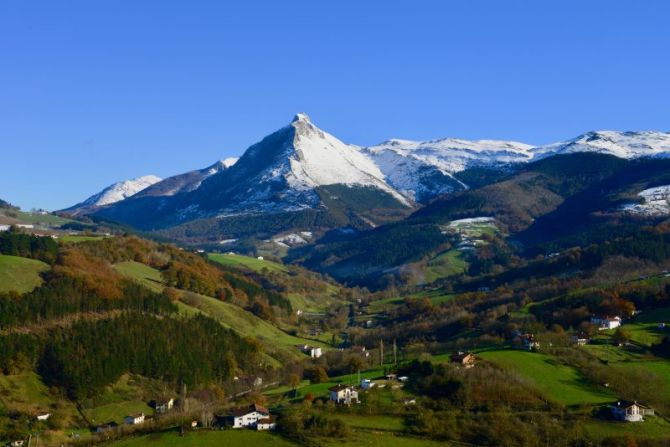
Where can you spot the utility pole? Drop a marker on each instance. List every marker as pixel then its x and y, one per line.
pixel 381 352
pixel 395 353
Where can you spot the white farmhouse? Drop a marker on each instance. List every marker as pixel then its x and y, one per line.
pixel 606 322
pixel 249 416
pixel 342 394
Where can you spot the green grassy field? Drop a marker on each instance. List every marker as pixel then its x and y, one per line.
pixel 652 427
pixel 247 324
pixel 383 439
pixel 321 389
pixel 117 411
pixel 20 274
pixel 73 239
pixel 247 262
pixel 446 264
pixel 227 438
pixel 560 383
pixel 144 274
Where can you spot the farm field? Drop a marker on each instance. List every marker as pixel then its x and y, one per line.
pixel 378 438
pixel 560 383
pixel 247 262
pixel 246 323
pixel 228 438
pixel 20 274
pixel 446 264
pixel 73 239
pixel 652 427
pixel 142 273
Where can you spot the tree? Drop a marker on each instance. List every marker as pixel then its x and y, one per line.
pixel 294 381
pixel 621 336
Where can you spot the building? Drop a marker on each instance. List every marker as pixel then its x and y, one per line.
pixel 409 401
pixel 366 384
pixel 606 322
pixel 312 351
pixel 134 419
pixel 104 428
pixel 43 416
pixel 163 406
pixel 526 341
pixel 267 423
pixel 360 350
pixel 580 339
pixel 248 416
pixel 343 394
pixel 464 359
pixel 630 411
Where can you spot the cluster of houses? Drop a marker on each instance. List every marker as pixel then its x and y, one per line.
pixel 161 406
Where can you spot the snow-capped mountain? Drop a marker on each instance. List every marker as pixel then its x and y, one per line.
pixel 626 145
pixel 114 193
pixel 301 168
pixel 188 181
pixel 293 169
pixel 424 169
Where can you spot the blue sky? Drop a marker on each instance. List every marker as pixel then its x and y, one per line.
pixel 92 92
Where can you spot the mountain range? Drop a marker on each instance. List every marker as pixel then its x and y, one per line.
pixel 301 177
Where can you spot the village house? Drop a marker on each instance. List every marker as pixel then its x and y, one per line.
pixel 134 419
pixel 19 442
pixel 366 384
pixel 409 401
pixel 163 406
pixel 391 376
pixel 606 322
pixel 248 416
pixel 342 394
pixel 464 359
pixel 580 339
pixel 109 426
pixel 312 351
pixel 526 341
pixel 43 416
pixel 630 411
pixel 360 350
pixel 267 423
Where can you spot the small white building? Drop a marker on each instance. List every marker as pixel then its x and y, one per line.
pixel 134 419
pixel 163 406
pixel 606 322
pixel 312 351
pixel 342 394
pixel 43 416
pixel 630 411
pixel 249 416
pixel 267 423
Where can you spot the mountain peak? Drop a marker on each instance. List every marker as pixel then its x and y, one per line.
pixel 301 117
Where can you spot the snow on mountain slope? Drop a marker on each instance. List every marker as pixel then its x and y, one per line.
pixel 120 191
pixel 419 168
pixel 620 144
pixel 186 182
pixel 656 202
pixel 319 159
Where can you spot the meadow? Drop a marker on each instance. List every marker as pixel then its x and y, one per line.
pixel 20 274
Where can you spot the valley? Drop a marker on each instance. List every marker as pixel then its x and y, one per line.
pixel 527 306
